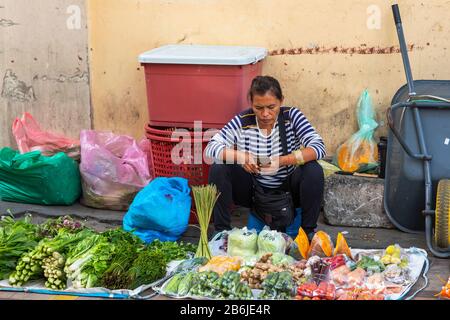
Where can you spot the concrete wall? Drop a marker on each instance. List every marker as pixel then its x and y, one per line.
pixel 323 52
pixel 44 65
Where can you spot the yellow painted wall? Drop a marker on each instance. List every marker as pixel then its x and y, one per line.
pixel 324 85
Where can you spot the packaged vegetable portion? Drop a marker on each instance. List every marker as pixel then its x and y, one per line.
pixel 271 241
pixel 242 242
pixel 221 264
pixel 307 289
pixel 356 277
pixel 339 275
pixel 321 245
pixel 325 290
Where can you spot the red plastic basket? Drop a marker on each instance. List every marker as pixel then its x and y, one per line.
pixel 189 165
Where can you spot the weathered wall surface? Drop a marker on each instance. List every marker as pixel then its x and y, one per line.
pixel 44 65
pixel 324 52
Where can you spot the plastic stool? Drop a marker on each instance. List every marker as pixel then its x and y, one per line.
pixel 292 230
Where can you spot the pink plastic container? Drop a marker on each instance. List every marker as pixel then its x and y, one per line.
pixel 199 83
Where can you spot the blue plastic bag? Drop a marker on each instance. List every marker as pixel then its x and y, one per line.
pixel 160 211
pixel 291 230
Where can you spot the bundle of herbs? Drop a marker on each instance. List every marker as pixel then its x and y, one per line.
pixel 118 235
pixel 149 266
pixel 205 198
pixel 117 275
pixel 173 250
pixel 87 262
pixel 51 227
pixel 127 248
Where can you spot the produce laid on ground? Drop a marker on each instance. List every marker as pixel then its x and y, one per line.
pixel 63 253
pixel 270 265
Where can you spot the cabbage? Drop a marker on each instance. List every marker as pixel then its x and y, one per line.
pixel 271 241
pixel 279 258
pixel 242 243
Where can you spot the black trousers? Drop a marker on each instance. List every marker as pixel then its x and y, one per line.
pixel 235 186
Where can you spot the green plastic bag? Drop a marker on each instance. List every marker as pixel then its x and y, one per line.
pixel 360 152
pixel 34 178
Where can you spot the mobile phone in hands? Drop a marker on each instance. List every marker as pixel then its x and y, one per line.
pixel 263 161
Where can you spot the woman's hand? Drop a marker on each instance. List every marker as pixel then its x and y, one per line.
pixel 273 167
pixel 248 162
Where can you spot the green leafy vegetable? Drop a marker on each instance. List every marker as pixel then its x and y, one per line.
pixel 52 227
pixel 30 265
pixel 88 261
pixel 149 266
pixel 369 264
pixel 119 235
pixel 16 238
pixel 172 250
pixel 117 275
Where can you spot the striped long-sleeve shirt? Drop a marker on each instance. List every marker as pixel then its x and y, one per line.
pixel 243 132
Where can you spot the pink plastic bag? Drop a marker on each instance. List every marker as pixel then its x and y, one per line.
pixel 30 137
pixel 113 169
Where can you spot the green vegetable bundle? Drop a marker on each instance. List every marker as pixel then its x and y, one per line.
pixel 117 275
pixel 148 267
pixel 205 198
pixel 277 286
pixel 370 265
pixel 52 227
pixel 31 264
pixel 172 250
pixel 202 284
pixel 16 238
pixel 88 261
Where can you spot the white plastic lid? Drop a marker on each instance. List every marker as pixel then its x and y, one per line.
pixel 203 54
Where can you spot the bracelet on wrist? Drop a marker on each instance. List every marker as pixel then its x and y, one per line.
pixel 299 157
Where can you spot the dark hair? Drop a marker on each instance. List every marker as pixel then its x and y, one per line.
pixel 263 84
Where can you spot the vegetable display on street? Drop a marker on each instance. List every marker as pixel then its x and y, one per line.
pixel 62 253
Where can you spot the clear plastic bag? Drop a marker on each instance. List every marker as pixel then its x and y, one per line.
pixel 271 241
pixel 321 245
pixel 360 152
pixel 242 242
pixel 221 264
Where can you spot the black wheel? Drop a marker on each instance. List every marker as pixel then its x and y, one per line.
pixel 442 221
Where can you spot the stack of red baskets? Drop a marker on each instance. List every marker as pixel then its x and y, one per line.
pixel 163 140
pixel 176 153
pixel 188 83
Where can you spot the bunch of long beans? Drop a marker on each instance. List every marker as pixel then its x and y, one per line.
pixel 205 198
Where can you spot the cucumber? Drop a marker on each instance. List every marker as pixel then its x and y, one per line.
pixel 172 285
pixel 185 284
